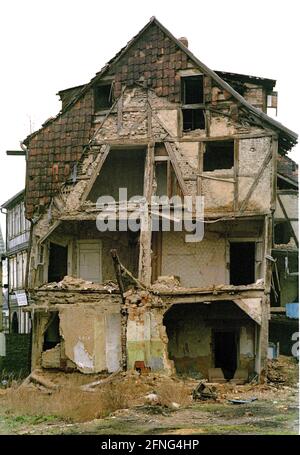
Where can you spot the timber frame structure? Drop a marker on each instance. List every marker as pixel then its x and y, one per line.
pixel 157 121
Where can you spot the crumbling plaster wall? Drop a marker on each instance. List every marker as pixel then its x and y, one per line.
pixel 90 327
pixel 197 264
pixel 190 330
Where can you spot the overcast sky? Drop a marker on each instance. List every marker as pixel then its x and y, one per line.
pixel 47 46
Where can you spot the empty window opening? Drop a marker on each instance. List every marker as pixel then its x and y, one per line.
pixel 52 335
pixel 242 263
pixel 282 233
pixel 192 90
pixel 225 352
pixel 15 323
pixel 103 97
pixel 121 169
pixel 58 262
pixel 161 176
pixel 218 155
pixel 193 119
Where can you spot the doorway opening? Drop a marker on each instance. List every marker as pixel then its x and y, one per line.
pixel 225 352
pixel 58 262
pixel 242 263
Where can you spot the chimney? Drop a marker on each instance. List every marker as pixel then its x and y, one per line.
pixel 184 41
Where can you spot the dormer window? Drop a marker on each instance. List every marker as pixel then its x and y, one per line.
pixel 192 97
pixel 103 97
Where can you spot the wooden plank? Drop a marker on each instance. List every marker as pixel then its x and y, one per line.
pixel 176 168
pixel 255 182
pixel 210 177
pixel 288 220
pixel 149 171
pixel 201 150
pixel 236 175
pixel 274 146
pixel 95 173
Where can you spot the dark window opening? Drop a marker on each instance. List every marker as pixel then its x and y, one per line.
pixel 121 169
pixel 58 262
pixel 218 155
pixel 282 234
pixel 103 97
pixel 225 350
pixel 52 336
pixel 242 263
pixel 283 184
pixel 192 90
pixel 161 175
pixel 15 323
pixel 193 119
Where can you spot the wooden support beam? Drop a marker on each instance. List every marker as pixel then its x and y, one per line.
pixel 176 168
pixel 255 182
pixel 118 272
pixel 288 220
pixel 96 172
pixel 236 175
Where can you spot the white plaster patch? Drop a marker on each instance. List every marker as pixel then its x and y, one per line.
pixel 82 357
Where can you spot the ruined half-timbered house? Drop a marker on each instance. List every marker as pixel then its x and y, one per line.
pixel 158 122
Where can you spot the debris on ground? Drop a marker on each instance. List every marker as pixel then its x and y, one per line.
pixel 250 400
pixel 282 370
pixel 204 391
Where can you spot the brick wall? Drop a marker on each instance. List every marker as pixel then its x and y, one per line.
pixel 18 353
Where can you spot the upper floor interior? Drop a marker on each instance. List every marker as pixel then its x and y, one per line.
pixel 156 91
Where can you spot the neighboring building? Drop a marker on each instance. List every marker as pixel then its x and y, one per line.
pixel 17 238
pixel 284 324
pixel 2 251
pixel 157 121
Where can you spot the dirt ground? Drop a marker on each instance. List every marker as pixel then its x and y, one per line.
pixel 124 405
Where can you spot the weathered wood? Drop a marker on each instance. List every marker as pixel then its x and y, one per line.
pixel 176 168
pixel 149 172
pixel 288 220
pixel 118 271
pixel 90 387
pixel 274 146
pixel 201 150
pixel 268 237
pixel 236 175
pixel 255 182
pixel 210 177
pixel 95 173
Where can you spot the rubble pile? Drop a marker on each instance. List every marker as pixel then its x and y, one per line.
pixel 282 370
pixel 71 283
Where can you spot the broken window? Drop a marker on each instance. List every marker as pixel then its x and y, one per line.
pixel 193 119
pixel 282 233
pixel 102 97
pixel 121 169
pixel 192 103
pixel 52 335
pixel 218 155
pixel 58 262
pixel 242 263
pixel 192 90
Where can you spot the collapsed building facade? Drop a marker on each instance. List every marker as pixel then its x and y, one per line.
pixel 158 122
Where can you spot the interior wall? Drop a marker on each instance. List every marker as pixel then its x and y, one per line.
pixel 197 264
pixel 121 169
pixel 126 244
pixel 190 329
